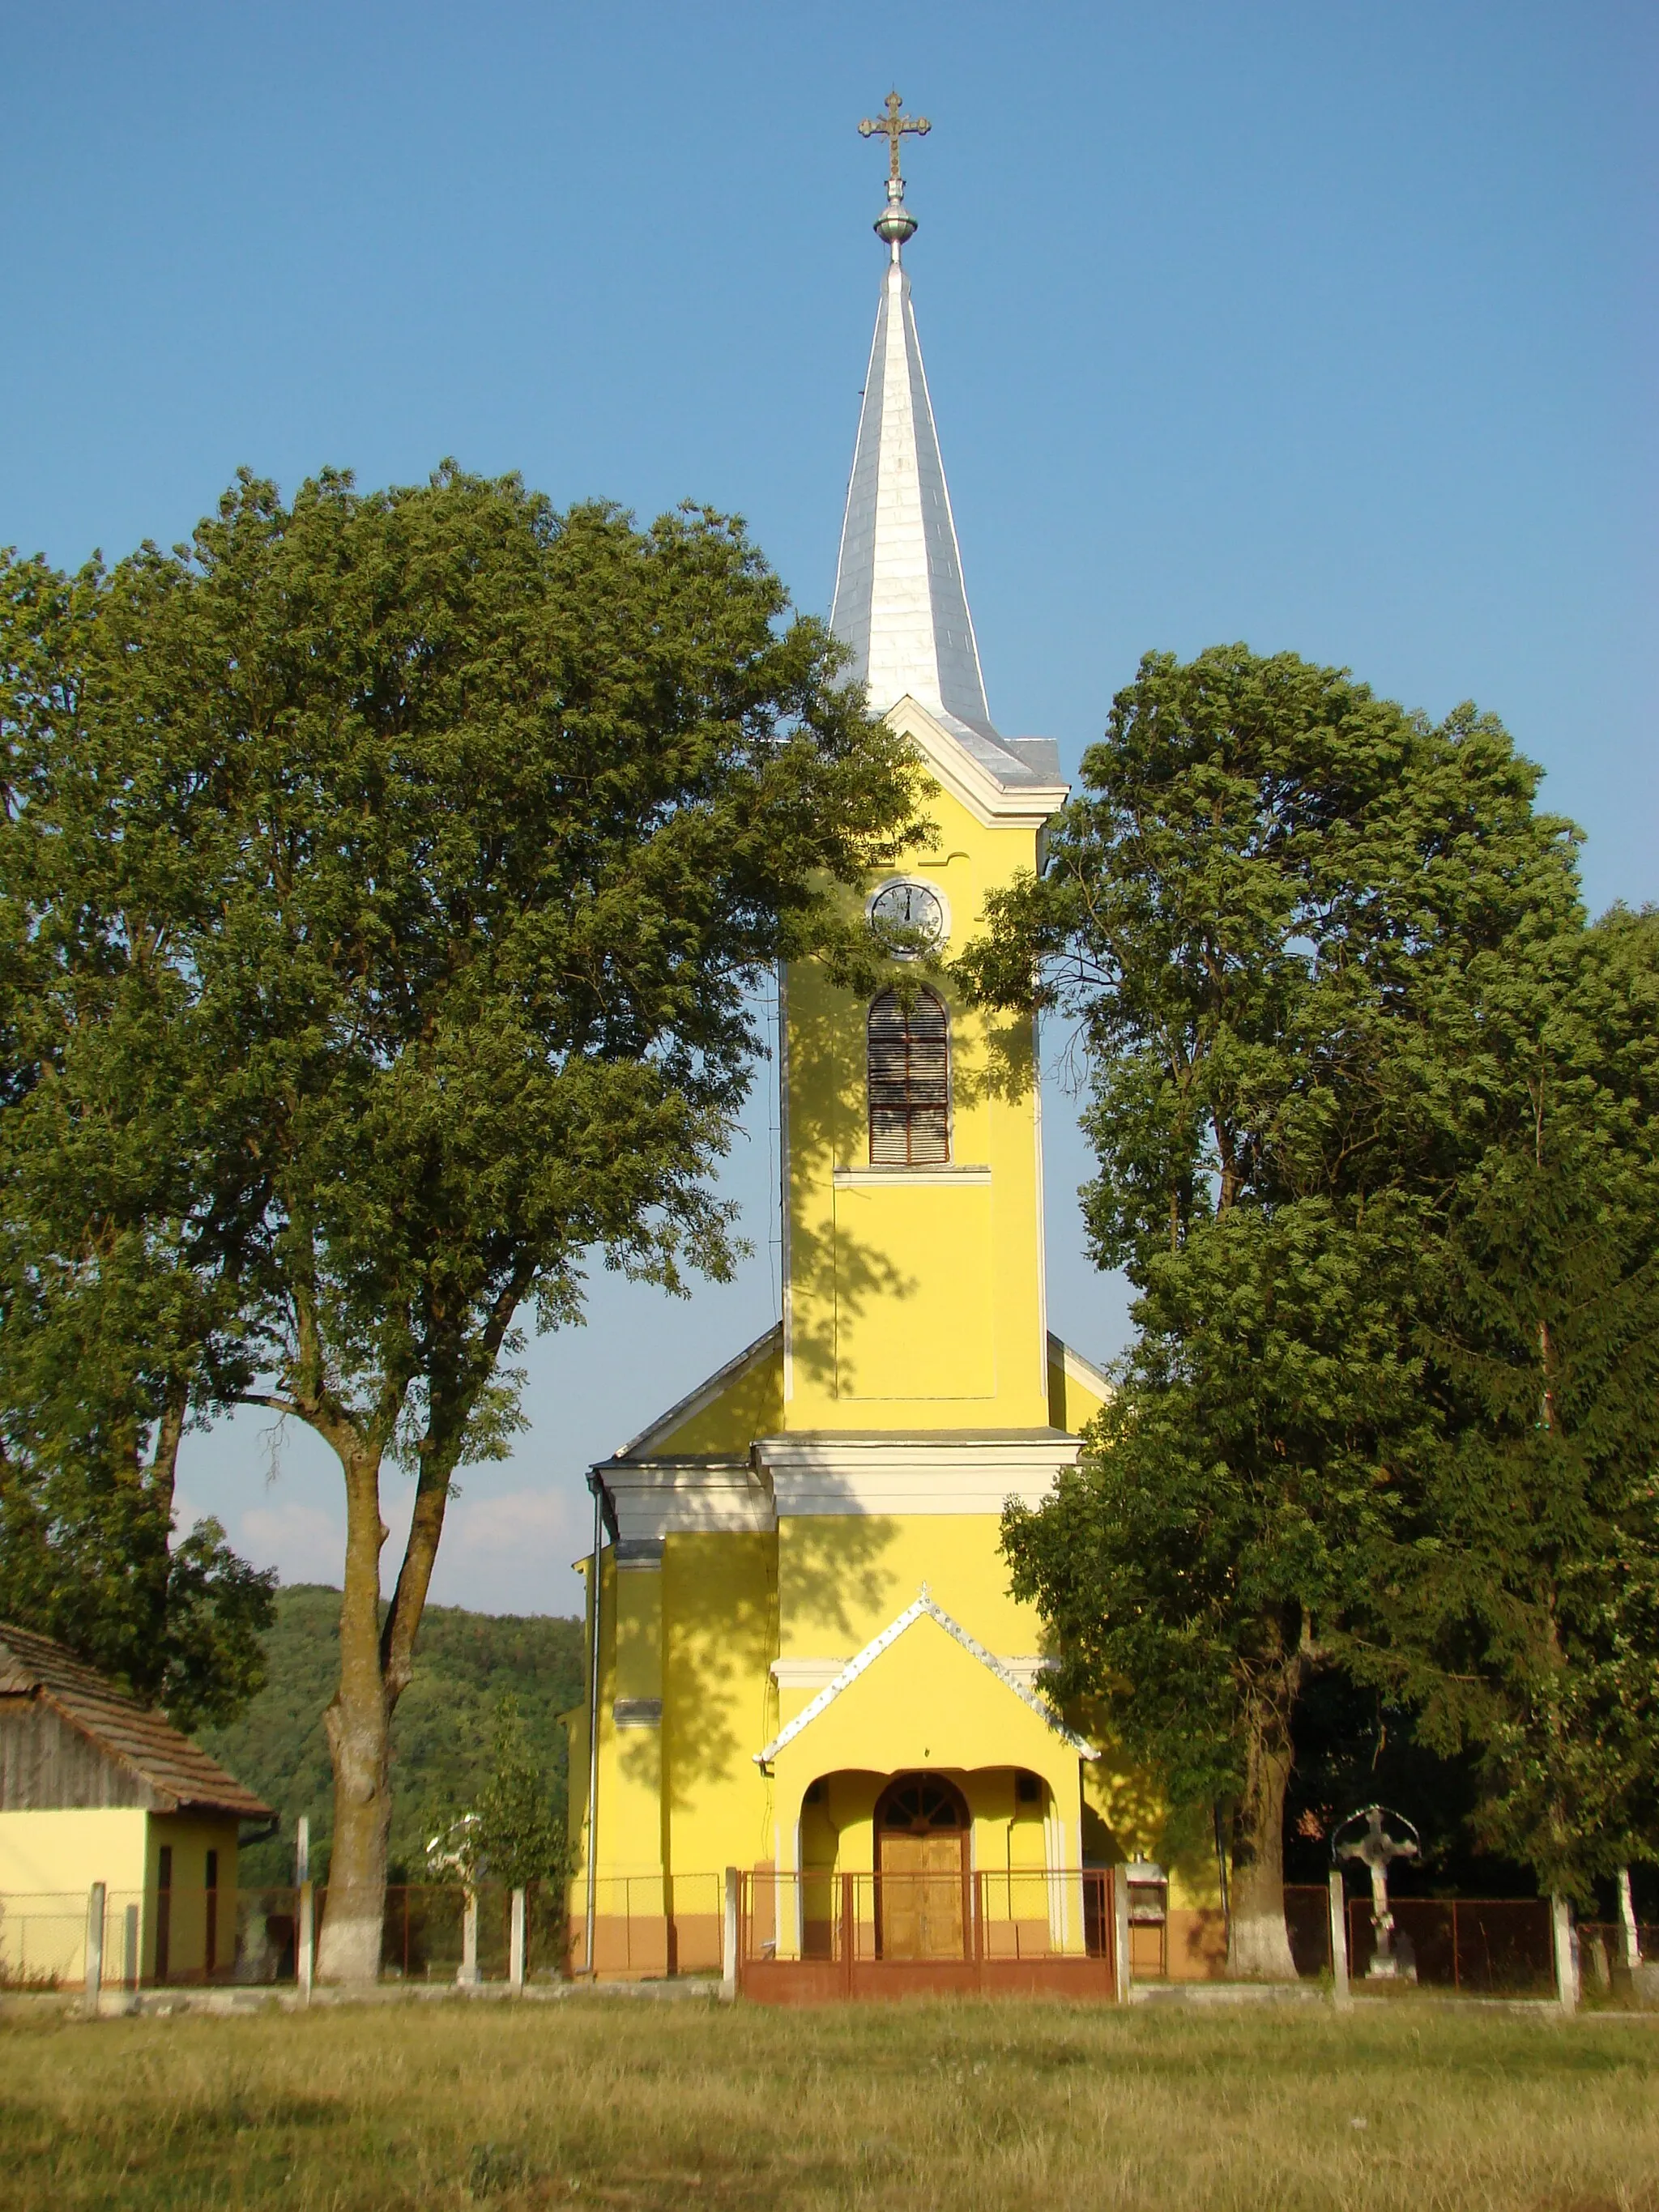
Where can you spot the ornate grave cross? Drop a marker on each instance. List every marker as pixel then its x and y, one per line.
pixel 895 127
pixel 1376 1849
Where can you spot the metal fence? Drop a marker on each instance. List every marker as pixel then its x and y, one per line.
pixel 806 1937
pixel 798 1935
pixel 1485 1946
pixel 1491 1947
pixel 250 1938
pixel 649 1925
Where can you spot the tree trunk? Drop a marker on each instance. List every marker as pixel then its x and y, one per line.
pixel 359 1725
pixel 1258 1947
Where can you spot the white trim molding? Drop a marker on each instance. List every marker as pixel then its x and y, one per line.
pixel 805 1673
pixel 654 1498
pixel 818 1674
pixel 827 1473
pixel 752 1356
pixel 888 1176
pixel 968 780
pixel 1078 1368
pixel 923 1603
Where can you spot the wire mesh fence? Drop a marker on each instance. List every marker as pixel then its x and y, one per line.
pixel 1490 1947
pixel 647 1926
pixel 250 1937
pixel 1486 1946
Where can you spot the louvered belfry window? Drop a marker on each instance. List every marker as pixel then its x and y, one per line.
pixel 910 1082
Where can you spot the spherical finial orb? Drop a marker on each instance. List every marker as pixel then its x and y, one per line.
pixel 896 224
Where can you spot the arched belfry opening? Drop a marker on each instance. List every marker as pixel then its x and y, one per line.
pixel 909 1049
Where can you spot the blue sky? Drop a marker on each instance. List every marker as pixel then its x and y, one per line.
pixel 1328 327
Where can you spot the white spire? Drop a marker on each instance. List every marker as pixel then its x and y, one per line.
pixel 899 598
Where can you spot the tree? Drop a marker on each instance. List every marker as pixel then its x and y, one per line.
pixel 90 1559
pixel 115 1291
pixel 1523 1601
pixel 1269 914
pixel 516 1838
pixel 450 835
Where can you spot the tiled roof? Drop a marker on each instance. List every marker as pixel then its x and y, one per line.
pixel 178 1770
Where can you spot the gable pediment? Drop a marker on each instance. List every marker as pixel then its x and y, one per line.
pixel 987 775
pixel 922 1607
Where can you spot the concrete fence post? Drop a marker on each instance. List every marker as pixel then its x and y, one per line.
pixel 729 1938
pixel 516 1945
pixel 305 1942
pixel 131 1963
pixel 1339 1916
pixel 1120 1933
pixel 95 1965
pixel 467 1974
pixel 1630 1935
pixel 1566 1957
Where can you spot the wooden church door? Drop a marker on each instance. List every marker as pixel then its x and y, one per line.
pixel 922 1857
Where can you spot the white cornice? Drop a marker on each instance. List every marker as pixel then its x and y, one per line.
pixel 806 1674
pixel 875 1177
pixel 826 1475
pixel 685 1497
pixel 992 804
pixel 818 1674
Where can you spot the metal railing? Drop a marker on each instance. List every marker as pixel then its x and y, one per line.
pixel 822 1934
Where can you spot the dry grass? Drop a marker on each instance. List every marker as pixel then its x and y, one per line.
pixel 977 2107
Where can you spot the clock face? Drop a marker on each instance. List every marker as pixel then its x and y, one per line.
pixel 910 916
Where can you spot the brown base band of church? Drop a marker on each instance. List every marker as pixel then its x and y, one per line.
pixel 801 1938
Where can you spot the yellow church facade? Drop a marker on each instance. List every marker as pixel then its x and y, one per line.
pixel 805 1663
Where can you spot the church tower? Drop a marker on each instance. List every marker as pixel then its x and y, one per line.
pixel 806 1662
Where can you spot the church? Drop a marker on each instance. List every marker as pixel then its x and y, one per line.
pixel 805 1660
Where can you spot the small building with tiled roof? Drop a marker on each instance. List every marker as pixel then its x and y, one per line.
pixel 96 1787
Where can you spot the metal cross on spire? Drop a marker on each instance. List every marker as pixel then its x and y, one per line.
pixel 894 127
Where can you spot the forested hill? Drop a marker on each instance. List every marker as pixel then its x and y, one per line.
pixel 463 1663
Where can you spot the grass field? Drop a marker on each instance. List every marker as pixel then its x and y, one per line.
pixel 976 2107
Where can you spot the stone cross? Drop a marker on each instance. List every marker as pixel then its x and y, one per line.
pixel 894 127
pixel 1376 1849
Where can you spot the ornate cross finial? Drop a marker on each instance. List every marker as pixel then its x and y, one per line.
pixel 894 127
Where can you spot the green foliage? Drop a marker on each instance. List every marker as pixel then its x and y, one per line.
pixel 1278 913
pixel 85 1557
pixel 509 1832
pixel 116 1297
pixel 443 1733
pixel 519 1840
pixel 1524 1613
pixel 1264 915
pixel 384 886
pixel 1220 1527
